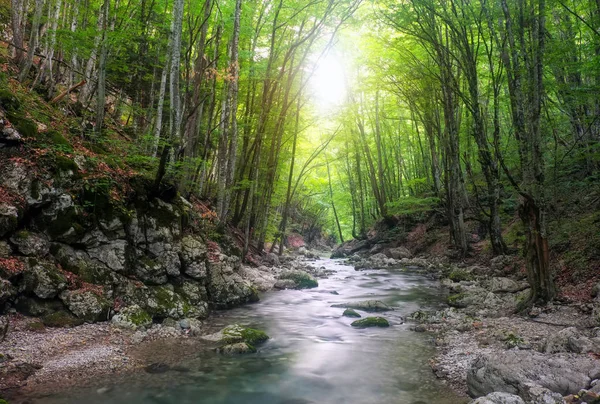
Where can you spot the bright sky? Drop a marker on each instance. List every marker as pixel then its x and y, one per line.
pixel 328 84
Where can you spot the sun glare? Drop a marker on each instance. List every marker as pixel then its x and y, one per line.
pixel 328 83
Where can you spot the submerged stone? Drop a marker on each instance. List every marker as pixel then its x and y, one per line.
pixel 371 322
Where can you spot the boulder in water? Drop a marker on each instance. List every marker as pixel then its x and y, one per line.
pixel 368 322
pixel 350 313
pixel 300 279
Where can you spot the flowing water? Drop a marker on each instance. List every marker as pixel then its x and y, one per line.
pixel 313 356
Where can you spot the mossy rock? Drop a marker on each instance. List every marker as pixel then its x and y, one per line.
pixel 456 300
pixel 237 334
pixel 351 313
pixel 301 279
pixel 3 401
pixel 65 164
pixel 459 275
pixel 252 336
pixel 370 322
pixel 61 319
pixel 26 127
pixel 132 317
pixel 9 101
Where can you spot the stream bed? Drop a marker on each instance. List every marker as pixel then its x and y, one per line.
pixel 313 356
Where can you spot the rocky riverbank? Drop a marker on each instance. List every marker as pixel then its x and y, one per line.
pixel 36 358
pixel 545 355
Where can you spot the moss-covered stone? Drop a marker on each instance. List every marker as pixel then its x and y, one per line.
pixel 65 164
pixel 26 127
pixel 350 313
pixel 132 317
pixel 61 319
pixel 371 322
pixel 301 279
pixel 456 300
pixel 9 101
pixel 459 275
pixel 253 337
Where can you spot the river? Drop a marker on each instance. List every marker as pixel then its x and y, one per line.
pixel 313 356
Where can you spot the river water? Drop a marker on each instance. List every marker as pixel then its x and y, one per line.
pixel 313 356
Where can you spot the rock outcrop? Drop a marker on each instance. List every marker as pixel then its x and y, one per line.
pixel 84 256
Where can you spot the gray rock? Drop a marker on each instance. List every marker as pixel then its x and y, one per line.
pixel 164 302
pixel 399 253
pixel 596 290
pixel 510 370
pixel 86 305
pixel 132 318
pixel 30 244
pixel 501 284
pixel 3 327
pixel 273 259
pixel 112 255
pixel 226 287
pixel 569 340
pixel 171 262
pixel 5 249
pixel 7 291
pixel 43 279
pixel 365 305
pixel 150 271
pixel 535 394
pixel 9 218
pixel 499 398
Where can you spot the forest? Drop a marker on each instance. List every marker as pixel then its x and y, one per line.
pixel 338 112
pixel 329 119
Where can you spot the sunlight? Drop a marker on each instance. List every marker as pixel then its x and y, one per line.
pixel 328 84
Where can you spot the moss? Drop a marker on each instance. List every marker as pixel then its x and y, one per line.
pixel 26 127
pixel 58 140
pixel 459 275
pixel 9 101
pixel 302 279
pixel 140 318
pixel 65 164
pixel 253 337
pixel 61 319
pixel 455 300
pixel 3 401
pixel 371 322
pixel 36 326
pixel 350 313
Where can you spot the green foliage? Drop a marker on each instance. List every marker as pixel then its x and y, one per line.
pixel 412 205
